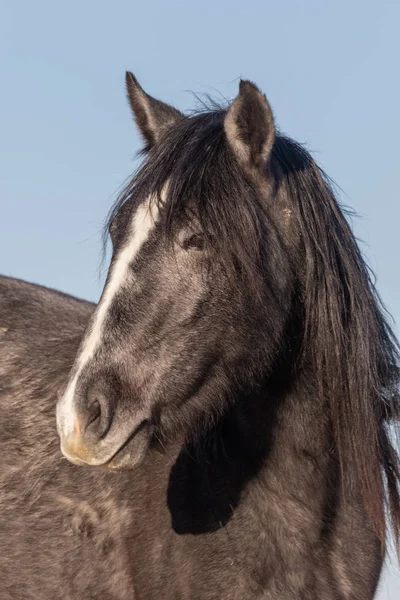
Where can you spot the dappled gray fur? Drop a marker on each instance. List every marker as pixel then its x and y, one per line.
pixel 79 532
pixel 233 387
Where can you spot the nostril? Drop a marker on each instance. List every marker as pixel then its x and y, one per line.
pixel 93 410
pixel 94 414
pixel 97 414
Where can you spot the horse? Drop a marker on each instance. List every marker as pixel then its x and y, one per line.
pixel 219 425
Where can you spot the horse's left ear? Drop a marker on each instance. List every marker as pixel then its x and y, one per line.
pixel 250 129
pixel 152 117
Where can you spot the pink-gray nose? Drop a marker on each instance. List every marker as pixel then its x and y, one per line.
pixel 92 418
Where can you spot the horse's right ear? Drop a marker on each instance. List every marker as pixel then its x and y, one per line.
pixel 152 117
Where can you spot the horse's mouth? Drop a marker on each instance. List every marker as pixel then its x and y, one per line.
pixel 132 451
pixel 127 455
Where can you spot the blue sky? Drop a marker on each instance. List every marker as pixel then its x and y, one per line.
pixel 329 69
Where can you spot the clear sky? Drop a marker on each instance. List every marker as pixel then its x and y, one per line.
pixel 67 142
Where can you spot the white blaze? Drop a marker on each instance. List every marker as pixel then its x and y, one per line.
pixel 140 228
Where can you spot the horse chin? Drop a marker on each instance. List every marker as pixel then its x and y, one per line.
pixel 132 453
pixel 127 455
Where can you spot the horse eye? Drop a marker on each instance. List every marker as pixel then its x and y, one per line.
pixel 194 242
